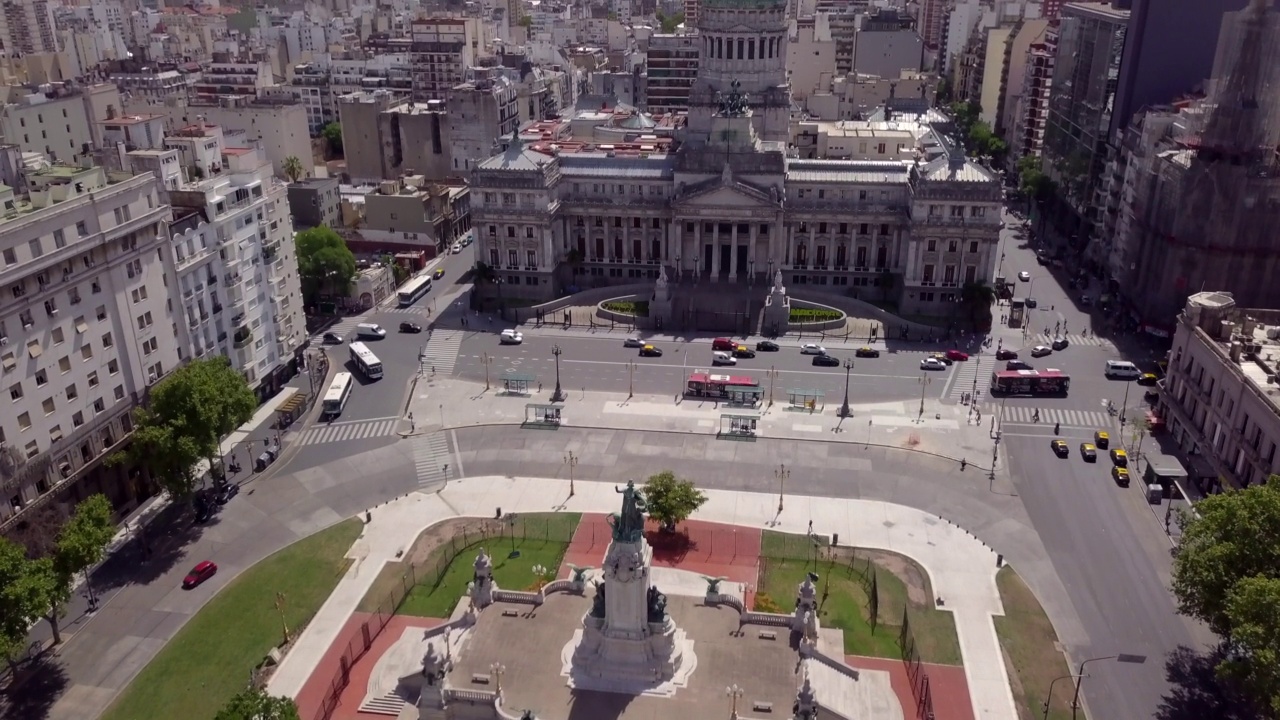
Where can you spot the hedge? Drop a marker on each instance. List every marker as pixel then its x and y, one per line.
pixel 804 315
pixel 628 307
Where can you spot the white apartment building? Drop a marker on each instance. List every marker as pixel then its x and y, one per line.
pixel 237 272
pixel 28 27
pixel 85 328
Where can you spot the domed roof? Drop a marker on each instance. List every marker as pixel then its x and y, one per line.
pixel 638 121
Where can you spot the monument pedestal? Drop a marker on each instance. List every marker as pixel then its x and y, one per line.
pixel 628 643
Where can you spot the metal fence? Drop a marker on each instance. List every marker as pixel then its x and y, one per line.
pixel 430 573
pixel 916 672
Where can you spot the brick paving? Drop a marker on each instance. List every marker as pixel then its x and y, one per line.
pixel 948 687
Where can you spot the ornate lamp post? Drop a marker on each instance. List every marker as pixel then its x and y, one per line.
pixel 558 395
pixel 782 473
pixel 924 385
pixel 733 692
pixel 572 461
pixel 486 359
pixel 844 409
pixel 497 669
pixel 1049 697
pixel 1122 657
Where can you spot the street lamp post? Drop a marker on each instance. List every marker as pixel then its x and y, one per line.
pixel 497 669
pixel 572 461
pixel 924 385
pixel 773 375
pixel 751 276
pixel 631 379
pixel 782 473
pixel 558 395
pixel 844 408
pixel 486 359
pixel 733 692
pixel 1049 698
pixel 1124 404
pixel 1122 657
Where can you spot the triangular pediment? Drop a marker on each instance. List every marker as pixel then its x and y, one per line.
pixel 733 194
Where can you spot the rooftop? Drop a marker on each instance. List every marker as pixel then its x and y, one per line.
pixel 1248 338
pixel 130 119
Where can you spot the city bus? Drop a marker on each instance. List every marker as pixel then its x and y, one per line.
pixel 412 291
pixel 365 361
pixel 734 388
pixel 1030 382
pixel 335 399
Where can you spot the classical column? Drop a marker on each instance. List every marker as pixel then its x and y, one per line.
pixel 751 251
pixel 733 252
pixel 697 247
pixel 715 251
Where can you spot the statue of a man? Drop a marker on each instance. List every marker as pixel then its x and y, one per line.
pixel 631 520
pixel 777 281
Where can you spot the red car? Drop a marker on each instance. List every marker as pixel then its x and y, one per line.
pixel 201 572
pixel 957 355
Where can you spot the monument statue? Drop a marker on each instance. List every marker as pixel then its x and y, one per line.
pixel 657 603
pixel 662 278
pixel 628 526
pixel 597 602
pixel 733 104
pixel 777 283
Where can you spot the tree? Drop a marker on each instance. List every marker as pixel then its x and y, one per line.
pixel 293 168
pixel 332 133
pixel 189 413
pixel 325 263
pixel 575 259
pixel 21 601
pixel 978 297
pixel 256 704
pixel 84 537
pixel 52 588
pixel 1226 573
pixel 669 23
pixel 671 500
pixel 485 274
pixel 37 529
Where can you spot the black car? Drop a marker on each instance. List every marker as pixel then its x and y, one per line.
pixel 650 351
pixel 1060 343
pixel 867 352
pixel 332 339
pixel 1006 355
pixel 1030 302
pixel 408 327
pixel 767 346
pixel 1018 365
pixel 826 361
pixel 742 351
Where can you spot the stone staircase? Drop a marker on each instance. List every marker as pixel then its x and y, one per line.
pixel 389 704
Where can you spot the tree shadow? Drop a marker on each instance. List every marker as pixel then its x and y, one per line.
pixel 1196 692
pixel 151 553
pixel 670 547
pixel 38 685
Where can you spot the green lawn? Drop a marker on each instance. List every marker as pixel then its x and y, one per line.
pixel 541 538
pixel 847 606
pixel 1030 651
pixel 209 660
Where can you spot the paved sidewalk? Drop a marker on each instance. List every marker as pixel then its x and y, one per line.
pixel 961 569
pixel 944 429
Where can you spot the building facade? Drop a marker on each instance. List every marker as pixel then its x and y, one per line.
pixel 85 329
pixel 671 66
pixel 729 205
pixel 315 202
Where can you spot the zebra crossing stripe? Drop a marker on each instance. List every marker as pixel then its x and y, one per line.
pixel 431 458
pixel 441 351
pixel 342 432
pixel 1022 415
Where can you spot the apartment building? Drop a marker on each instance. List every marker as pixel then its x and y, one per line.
pixel 315 202
pixel 481 111
pixel 237 271
pixel 85 329
pixel 412 214
pixel 886 44
pixel 1220 400
pixel 58 119
pixel 1027 135
pixel 28 27
pixel 440 52
pixel 671 66
pixel 233 78
pixel 153 81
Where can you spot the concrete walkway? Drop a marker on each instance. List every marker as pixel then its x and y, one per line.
pixel 961 569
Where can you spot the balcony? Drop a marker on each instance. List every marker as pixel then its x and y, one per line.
pixel 243 338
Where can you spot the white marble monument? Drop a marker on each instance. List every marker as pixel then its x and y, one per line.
pixel 628 643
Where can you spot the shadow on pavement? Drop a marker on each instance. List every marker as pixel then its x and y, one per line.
pixel 37 686
pixel 151 553
pixel 1195 692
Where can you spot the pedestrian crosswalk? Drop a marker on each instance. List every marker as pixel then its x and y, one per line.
pixel 344 431
pixel 431 460
pixel 1045 338
pixel 441 351
pixel 1022 415
pixel 342 328
pixel 411 310
pixel 977 369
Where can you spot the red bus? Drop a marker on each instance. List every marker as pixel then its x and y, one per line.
pixel 735 388
pixel 1030 382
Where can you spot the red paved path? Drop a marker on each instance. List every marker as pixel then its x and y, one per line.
pixel 947 686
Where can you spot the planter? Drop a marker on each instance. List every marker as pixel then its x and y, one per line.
pixel 825 317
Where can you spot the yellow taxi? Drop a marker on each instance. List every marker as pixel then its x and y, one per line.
pixel 1120 458
pixel 1148 379
pixel 1060 448
pixel 1088 452
pixel 1101 439
pixel 1121 476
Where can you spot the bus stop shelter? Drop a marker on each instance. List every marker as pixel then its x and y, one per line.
pixel 517 383
pixel 541 416
pixel 738 426
pixel 744 396
pixel 800 399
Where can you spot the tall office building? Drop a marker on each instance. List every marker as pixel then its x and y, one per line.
pixel 27 26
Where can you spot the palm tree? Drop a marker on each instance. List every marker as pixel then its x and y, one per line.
pixel 574 258
pixel 293 168
pixel 978 297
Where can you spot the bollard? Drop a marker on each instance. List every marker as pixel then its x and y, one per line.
pixel 835 539
pixel 999 560
pixel 368 517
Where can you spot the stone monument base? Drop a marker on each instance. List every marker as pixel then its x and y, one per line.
pixel 657 665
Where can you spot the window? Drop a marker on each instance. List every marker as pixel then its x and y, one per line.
pixel 98 406
pixel 15 391
pixel 41 378
pixel 144 320
pixel 55 433
pixel 139 294
pixel 119 392
pixel 64 364
pixel 10 257
pixel 93 379
pixel 77 419
pixel 106 341
pixel 86 352
pixel 493 257
pixel 113 366
pixel 82 229
pixel 24 421
pixel 51 307
pixel 31 449
pixel 59 238
pixel 531 258
pixel 72 392
pixel 973 246
pixel 57 336
pixel 48 406
pixel 951 246
pixel 511 258
pixel 34 246
pixel 932 245
pixel 101 312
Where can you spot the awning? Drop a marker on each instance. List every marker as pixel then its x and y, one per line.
pixel 293 404
pixel 34 349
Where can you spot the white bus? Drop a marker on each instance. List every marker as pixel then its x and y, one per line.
pixel 339 391
pixel 366 361
pixel 413 290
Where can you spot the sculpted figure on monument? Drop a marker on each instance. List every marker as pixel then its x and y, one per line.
pixel 657 605
pixel 597 602
pixel 628 526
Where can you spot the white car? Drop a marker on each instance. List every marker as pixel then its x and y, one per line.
pixel 723 358
pixel 457 248
pixel 812 349
pixel 511 337
pixel 1041 351
pixel 1024 276
pixel 930 363
pixel 632 342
